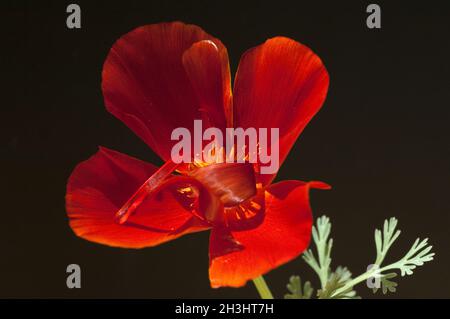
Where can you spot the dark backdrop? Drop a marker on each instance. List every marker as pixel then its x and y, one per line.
pixel 381 139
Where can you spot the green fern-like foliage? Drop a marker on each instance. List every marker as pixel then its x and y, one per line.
pixel 296 290
pixel 339 284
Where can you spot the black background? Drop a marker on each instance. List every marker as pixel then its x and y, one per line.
pixel 381 139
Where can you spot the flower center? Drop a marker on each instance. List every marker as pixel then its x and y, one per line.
pixel 231 183
pixel 234 199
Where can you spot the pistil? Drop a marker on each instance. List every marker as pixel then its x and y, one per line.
pixel 144 190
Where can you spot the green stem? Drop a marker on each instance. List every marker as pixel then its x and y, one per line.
pixel 350 284
pixel 262 288
pixel 373 272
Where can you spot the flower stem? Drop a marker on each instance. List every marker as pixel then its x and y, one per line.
pixel 371 273
pixel 262 288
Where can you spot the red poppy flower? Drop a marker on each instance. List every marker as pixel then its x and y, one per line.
pixel 163 76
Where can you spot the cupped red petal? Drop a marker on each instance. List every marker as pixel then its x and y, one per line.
pixel 208 69
pixel 283 235
pixel 146 85
pixel 279 84
pixel 101 185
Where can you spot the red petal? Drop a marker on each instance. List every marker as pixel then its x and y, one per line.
pixel 146 86
pixel 283 235
pixel 98 188
pixel 209 72
pixel 279 84
pixel 222 242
